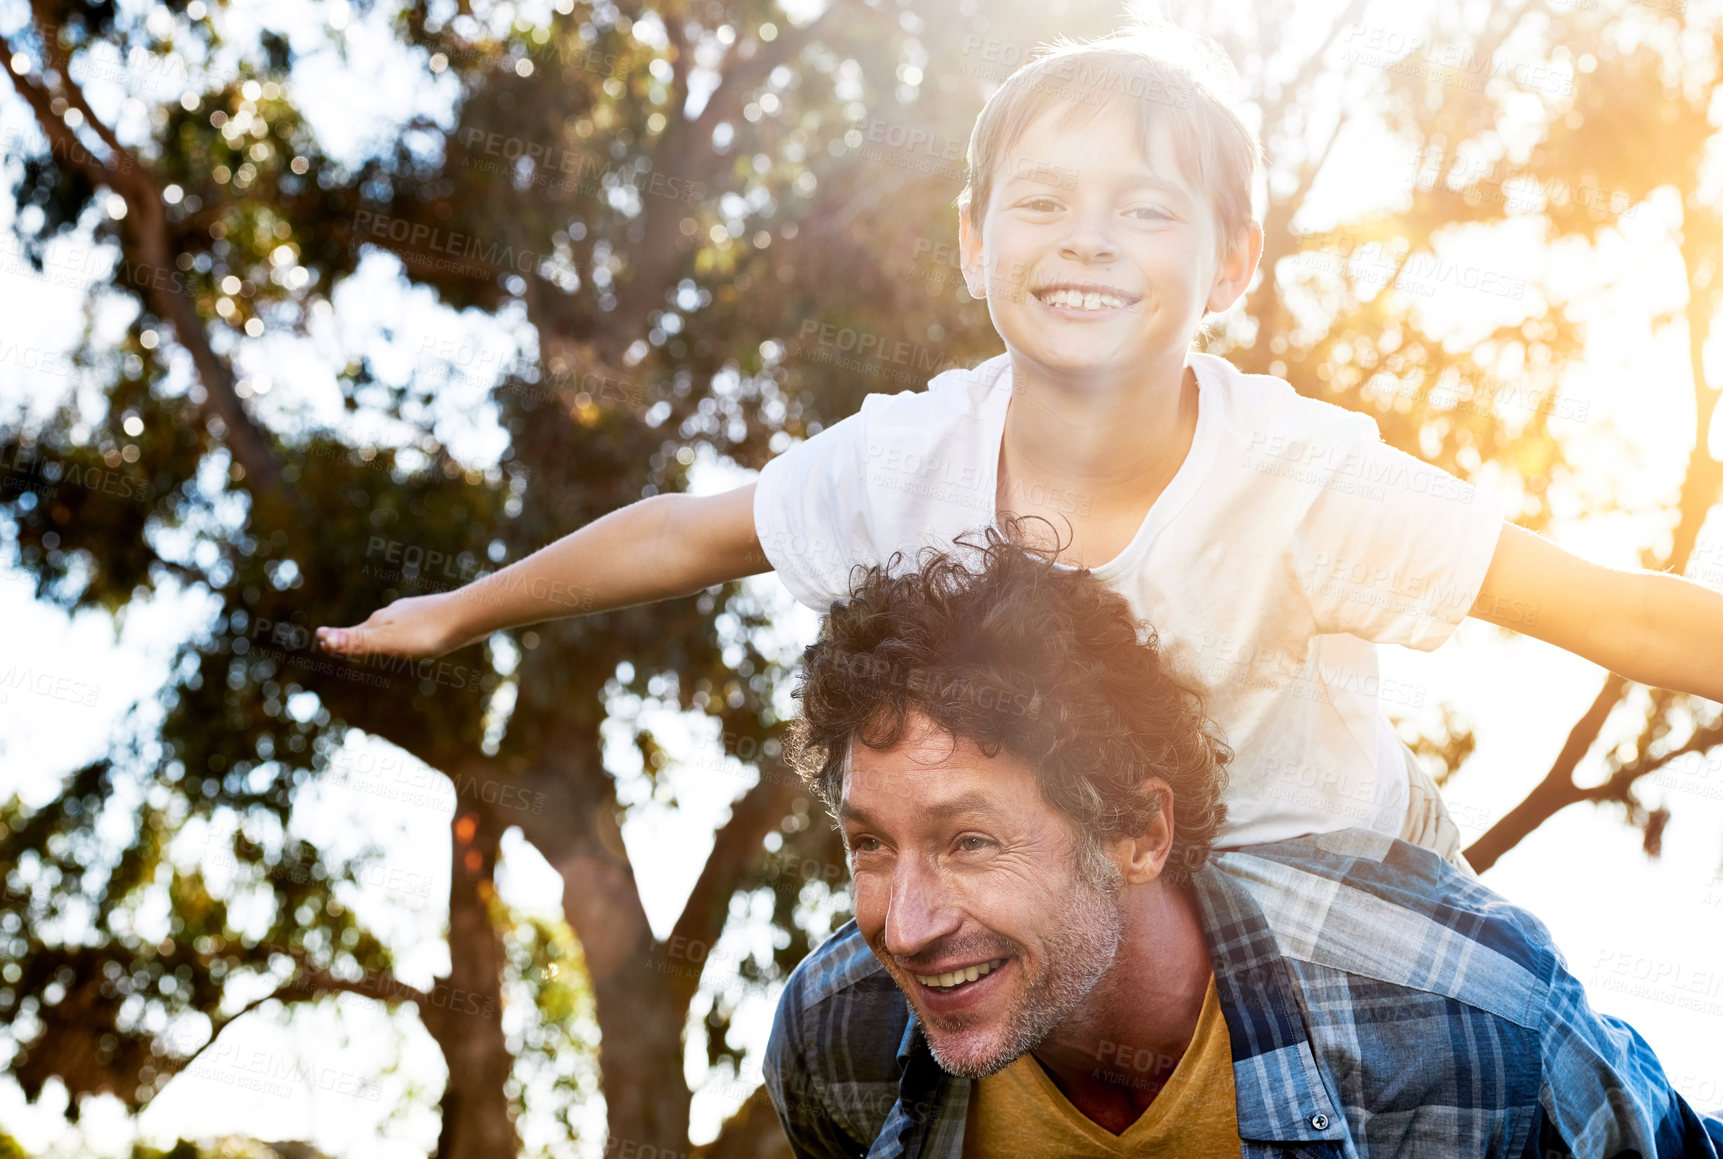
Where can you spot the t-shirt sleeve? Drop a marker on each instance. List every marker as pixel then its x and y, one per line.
pixel 1389 548
pixel 811 513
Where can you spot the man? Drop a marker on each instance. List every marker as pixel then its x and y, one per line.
pixel 1046 960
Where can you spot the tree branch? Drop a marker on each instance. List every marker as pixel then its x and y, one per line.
pixel 151 238
pixel 385 987
pixel 1620 783
pixel 655 262
pixel 1699 493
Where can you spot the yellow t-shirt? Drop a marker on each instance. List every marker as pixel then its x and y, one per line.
pixel 1020 1112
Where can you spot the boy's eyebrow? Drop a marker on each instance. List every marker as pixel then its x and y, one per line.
pixel 1041 173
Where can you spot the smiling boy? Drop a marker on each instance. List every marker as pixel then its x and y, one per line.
pixel 1272 539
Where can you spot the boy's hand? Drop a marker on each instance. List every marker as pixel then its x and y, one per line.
pixel 415 626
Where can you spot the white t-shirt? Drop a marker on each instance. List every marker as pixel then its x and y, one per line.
pixel 1290 539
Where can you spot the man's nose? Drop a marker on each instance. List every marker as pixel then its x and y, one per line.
pixel 920 911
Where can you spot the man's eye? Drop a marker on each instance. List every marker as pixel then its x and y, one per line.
pixel 865 845
pixel 973 844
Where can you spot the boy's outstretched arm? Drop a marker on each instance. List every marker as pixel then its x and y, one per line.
pixel 668 545
pixel 1651 627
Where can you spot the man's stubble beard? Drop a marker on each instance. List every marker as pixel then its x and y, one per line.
pixel 1077 959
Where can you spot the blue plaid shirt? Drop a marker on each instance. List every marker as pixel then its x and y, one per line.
pixel 1378 1001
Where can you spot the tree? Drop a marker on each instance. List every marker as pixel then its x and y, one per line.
pixel 656 311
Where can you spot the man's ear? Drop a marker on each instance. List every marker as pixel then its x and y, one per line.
pixel 969 253
pixel 1233 275
pixel 1141 858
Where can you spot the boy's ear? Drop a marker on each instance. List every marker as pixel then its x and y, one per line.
pixel 1233 276
pixel 969 253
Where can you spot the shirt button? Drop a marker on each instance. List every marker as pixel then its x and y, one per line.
pixel 1319 1121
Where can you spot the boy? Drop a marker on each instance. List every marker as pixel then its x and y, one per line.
pixel 1270 538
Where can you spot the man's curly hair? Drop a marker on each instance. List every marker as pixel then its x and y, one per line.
pixel 996 644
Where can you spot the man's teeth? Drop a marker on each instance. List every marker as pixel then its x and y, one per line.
pixel 1078 300
pixel 958 977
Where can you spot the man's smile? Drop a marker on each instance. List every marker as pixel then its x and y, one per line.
pixel 964 993
pixel 949 979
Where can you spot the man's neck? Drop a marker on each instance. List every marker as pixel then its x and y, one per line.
pixel 1112 1056
pixel 1109 448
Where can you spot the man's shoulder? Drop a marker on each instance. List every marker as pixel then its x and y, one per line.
pixel 840 989
pixel 1371 906
pixel 832 1057
pixel 835 965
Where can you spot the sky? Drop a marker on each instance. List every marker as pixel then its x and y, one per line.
pixel 1645 936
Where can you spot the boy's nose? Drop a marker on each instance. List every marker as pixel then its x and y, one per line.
pixel 1088 241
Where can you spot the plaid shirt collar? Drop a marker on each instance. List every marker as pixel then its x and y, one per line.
pixel 1282 1099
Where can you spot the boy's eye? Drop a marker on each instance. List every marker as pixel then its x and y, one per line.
pixel 1038 204
pixel 1152 212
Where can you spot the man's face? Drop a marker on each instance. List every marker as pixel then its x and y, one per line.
pixel 961 865
pixel 1081 208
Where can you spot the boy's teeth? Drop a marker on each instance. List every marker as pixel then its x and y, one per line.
pixel 1078 300
pixel 957 977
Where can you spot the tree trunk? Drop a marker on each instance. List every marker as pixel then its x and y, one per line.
pixel 640 1018
pixel 465 1011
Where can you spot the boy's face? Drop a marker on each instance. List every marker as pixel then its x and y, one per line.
pixel 1079 208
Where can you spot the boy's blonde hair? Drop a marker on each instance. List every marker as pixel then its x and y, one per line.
pixel 1162 71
